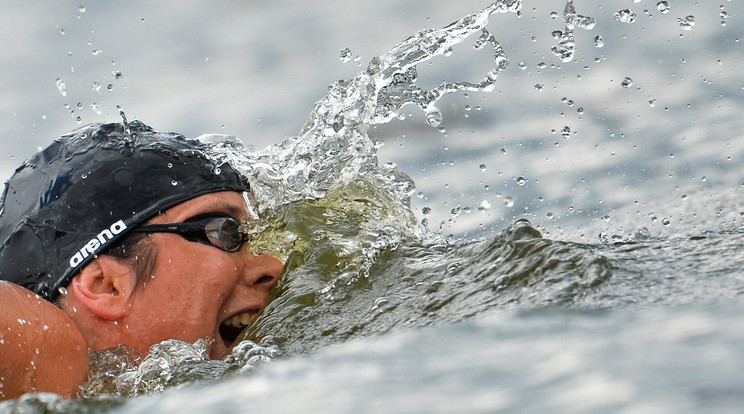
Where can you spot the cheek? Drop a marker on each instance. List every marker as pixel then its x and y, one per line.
pixel 197 281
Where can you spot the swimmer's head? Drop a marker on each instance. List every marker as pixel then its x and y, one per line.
pixel 82 194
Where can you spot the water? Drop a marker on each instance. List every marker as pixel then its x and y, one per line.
pixel 571 261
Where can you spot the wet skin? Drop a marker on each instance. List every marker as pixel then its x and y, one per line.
pixel 193 288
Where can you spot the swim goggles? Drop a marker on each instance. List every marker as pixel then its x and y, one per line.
pixel 218 230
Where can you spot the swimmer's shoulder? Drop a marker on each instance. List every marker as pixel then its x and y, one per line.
pixel 42 349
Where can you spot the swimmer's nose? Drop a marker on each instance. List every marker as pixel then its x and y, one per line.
pixel 262 271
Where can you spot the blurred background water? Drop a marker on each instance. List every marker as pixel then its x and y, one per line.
pixel 627 158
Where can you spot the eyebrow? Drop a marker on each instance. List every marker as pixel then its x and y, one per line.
pixel 223 206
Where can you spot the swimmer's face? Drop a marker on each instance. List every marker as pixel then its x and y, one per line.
pixel 197 290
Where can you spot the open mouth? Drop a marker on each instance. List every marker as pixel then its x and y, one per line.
pixel 232 327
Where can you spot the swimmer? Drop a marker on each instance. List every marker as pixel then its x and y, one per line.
pixel 117 234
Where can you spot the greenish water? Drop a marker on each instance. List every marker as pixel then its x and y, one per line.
pixel 505 264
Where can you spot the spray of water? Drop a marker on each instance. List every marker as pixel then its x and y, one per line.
pixel 329 209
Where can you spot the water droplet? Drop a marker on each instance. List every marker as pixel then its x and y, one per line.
pixel 482 167
pixel 62 290
pixel 627 82
pixel 663 7
pixel 61 87
pixel 170 165
pixel 174 183
pixel 550 214
pixel 652 102
pixel 117 74
pixel 97 52
pixel 566 131
pixel 521 180
pixel 665 221
pixel 345 55
pixel 81 9
pixel 686 23
pixel 484 205
pixel 509 201
pixel 84 176
pixel 539 87
pixel 598 41
pixel 426 211
pixel 217 171
pixel 625 16
pixel 433 118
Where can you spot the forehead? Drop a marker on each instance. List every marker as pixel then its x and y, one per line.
pixel 229 202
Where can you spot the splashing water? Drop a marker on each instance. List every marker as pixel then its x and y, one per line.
pixel 358 264
pixel 329 208
pixel 567 45
pixel 332 163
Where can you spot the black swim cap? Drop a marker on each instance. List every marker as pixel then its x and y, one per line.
pixel 84 192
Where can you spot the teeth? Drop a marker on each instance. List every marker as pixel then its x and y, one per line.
pixel 238 321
